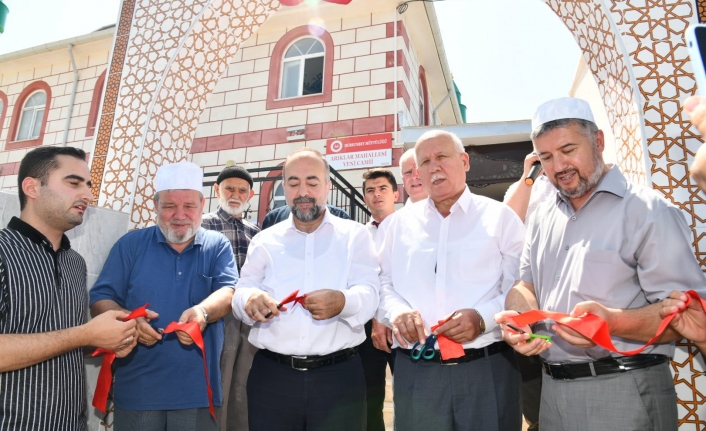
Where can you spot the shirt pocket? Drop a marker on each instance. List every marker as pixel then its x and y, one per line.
pixel 200 289
pixel 597 274
pixel 479 263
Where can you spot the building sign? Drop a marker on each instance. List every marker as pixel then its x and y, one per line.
pixel 359 152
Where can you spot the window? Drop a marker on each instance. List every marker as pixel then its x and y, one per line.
pixel 29 116
pixel 3 109
pixel 95 105
pixel 278 199
pixel 32 116
pixel 424 119
pixel 303 69
pixel 422 106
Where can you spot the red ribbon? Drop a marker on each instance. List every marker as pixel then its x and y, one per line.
pixel 105 375
pixel 595 328
pixel 296 2
pixel 292 297
pixel 449 349
pixel 194 331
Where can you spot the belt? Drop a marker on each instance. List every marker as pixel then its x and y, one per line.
pixel 469 354
pixel 602 366
pixel 304 363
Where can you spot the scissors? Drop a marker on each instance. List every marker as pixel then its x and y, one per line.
pixel 546 338
pixel 427 350
pixel 424 351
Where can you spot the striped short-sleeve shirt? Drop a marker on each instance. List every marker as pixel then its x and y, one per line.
pixel 41 290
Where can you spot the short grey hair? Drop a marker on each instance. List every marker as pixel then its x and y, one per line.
pixel 458 145
pixel 587 128
pixel 409 154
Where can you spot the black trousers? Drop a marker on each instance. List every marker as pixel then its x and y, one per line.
pixel 531 372
pixel 375 363
pixel 330 398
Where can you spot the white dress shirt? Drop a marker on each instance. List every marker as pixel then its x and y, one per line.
pixel 377 233
pixel 338 255
pixel 437 265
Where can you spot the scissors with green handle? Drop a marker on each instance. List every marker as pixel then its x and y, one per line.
pixel 546 338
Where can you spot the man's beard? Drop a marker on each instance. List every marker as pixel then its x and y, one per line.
pixel 303 216
pixel 172 237
pixel 586 185
pixel 235 212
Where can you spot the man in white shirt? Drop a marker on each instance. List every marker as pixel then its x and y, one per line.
pixel 380 194
pixel 455 255
pixel 410 178
pixel 308 375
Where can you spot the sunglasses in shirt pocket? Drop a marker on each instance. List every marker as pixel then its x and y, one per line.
pixel 201 288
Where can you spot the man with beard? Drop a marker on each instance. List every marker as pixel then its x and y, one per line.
pixel 450 260
pixel 599 248
pixel 410 178
pixel 234 190
pixel 187 274
pixel 43 298
pixel 307 374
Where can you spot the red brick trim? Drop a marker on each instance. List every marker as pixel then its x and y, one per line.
pixel 266 191
pixel 273 101
pixel 425 94
pixel 3 98
pixel 95 105
pixel 9 169
pixel 12 143
pixel 333 129
pixel 401 31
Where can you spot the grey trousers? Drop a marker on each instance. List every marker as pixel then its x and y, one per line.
pixel 639 400
pixel 481 395
pixel 165 420
pixel 236 361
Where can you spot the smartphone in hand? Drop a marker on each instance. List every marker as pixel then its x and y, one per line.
pixel 696 43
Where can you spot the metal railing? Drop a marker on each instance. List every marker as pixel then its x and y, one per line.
pixel 342 195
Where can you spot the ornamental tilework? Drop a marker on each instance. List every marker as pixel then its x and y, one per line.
pixel 167 61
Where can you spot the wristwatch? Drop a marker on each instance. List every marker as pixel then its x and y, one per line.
pixel 205 313
pixel 481 322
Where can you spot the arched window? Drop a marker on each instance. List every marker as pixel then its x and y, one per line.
pixel 303 69
pixel 95 105
pixel 278 199
pixel 3 109
pixel 32 117
pixel 29 116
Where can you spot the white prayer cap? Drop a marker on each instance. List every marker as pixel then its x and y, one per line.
pixel 560 109
pixel 179 176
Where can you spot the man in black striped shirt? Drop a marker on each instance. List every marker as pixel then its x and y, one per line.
pixel 43 299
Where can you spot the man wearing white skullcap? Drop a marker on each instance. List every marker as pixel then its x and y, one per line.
pixel 186 273
pixel 607 247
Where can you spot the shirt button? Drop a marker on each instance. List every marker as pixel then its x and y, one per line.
pixel 557 277
pixel 573 218
pixel 566 248
pixel 179 272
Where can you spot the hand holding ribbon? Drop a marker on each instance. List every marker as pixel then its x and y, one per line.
pixel 105 375
pixel 591 326
pixel 193 330
pixel 449 348
pixel 265 300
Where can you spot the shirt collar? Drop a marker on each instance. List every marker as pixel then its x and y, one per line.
pixel 328 218
pixel 227 217
pixel 463 202
pixel 35 236
pixel 613 182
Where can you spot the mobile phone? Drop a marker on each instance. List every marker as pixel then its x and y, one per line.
pixel 696 42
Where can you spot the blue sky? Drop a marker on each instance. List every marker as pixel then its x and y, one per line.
pixel 507 56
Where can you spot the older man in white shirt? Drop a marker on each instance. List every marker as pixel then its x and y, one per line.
pixel 456 255
pixel 410 178
pixel 308 375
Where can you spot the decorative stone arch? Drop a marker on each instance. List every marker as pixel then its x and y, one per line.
pixel 168 55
